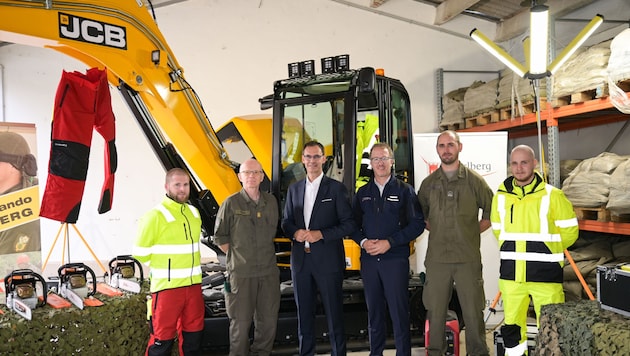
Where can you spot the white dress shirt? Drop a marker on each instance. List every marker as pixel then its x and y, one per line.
pixel 310 193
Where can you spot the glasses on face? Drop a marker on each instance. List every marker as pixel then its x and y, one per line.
pixel 315 157
pixel 379 159
pixel 251 173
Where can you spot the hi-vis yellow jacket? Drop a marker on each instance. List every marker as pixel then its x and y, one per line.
pixel 534 225
pixel 168 241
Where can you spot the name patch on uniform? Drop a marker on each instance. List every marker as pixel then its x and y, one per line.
pixel 393 198
pixel 241 212
pixel 326 200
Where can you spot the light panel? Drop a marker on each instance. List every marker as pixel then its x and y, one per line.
pixel 576 43
pixel 539 32
pixel 498 52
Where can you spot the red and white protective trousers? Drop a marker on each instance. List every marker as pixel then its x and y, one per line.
pixel 82 103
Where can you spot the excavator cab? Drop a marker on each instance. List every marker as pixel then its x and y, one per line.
pixel 345 110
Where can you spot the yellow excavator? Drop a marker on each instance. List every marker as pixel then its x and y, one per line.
pixel 345 109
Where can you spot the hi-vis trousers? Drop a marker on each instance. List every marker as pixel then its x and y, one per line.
pixel 82 103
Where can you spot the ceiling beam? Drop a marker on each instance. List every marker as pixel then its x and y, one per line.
pixel 519 23
pixel 448 9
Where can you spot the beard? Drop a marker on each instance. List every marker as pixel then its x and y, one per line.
pixel 180 198
pixel 448 159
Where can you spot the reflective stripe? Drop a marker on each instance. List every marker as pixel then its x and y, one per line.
pixel 501 209
pixel 174 249
pixel 525 236
pixel 164 273
pixel 567 223
pixel 544 210
pixel 517 350
pixel 141 251
pixel 532 256
pixel 167 214
pixel 193 210
pixel 165 249
pixel 496 226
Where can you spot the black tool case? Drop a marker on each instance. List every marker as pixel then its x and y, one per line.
pixel 613 288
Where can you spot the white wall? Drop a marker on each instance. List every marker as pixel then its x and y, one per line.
pixel 231 52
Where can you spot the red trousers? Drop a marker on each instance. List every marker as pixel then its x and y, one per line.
pixel 82 104
pixel 176 312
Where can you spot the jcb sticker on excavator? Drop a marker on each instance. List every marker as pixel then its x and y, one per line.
pixel 92 31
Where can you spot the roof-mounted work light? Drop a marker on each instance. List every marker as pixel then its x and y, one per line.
pixel 307 67
pixel 294 69
pixel 300 69
pixel 335 64
pixel 328 65
pixel 342 62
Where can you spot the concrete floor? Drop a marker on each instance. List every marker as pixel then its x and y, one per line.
pixel 420 351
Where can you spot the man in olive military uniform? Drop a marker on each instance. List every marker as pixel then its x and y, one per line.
pixel 18 170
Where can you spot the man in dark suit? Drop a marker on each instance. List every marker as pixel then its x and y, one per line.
pixel 317 216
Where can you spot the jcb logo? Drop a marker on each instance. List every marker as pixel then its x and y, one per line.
pixel 87 30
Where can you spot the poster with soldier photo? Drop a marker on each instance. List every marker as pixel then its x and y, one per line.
pixel 20 242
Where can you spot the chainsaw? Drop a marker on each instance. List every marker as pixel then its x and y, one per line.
pixel 73 282
pixel 21 291
pixel 122 273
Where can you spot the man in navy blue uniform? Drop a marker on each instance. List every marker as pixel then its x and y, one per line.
pixel 317 217
pixel 390 218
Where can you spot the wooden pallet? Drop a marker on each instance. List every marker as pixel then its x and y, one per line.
pixel 528 108
pixel 453 126
pixel 623 218
pixel 580 97
pixel 598 214
pixel 482 119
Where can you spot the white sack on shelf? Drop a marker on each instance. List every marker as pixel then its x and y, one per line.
pixel 588 185
pixel 619 61
pixel 585 70
pixel 515 90
pixel 619 197
pixel 567 166
pixel 453 106
pixel 619 70
pixel 480 98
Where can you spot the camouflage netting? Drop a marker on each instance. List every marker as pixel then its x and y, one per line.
pixel 585 70
pixel 581 328
pixel 119 327
pixel 453 106
pixel 480 98
pixel 588 185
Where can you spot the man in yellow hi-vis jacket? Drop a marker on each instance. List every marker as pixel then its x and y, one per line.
pixel 534 223
pixel 168 241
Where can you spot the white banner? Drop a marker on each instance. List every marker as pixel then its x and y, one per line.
pixel 485 153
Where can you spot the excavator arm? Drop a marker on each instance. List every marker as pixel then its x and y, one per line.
pixel 122 36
